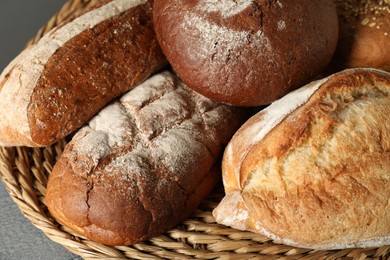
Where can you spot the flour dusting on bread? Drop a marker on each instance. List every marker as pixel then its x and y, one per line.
pixel 258 129
pixel 149 158
pixel 311 170
pixel 22 75
pixel 161 115
pixel 227 8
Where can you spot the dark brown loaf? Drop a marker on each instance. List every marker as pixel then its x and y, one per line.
pixel 142 164
pixel 55 86
pixel 248 52
pixel 364 34
pixel 312 169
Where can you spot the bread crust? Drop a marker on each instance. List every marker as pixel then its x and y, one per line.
pixel 364 40
pixel 246 53
pixel 56 85
pixel 311 170
pixel 143 164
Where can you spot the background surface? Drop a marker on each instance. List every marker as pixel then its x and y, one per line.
pixel 20 20
pixel 19 239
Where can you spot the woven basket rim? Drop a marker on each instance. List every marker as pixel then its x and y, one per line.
pixel 24 172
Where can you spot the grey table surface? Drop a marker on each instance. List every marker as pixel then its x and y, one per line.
pixel 19 239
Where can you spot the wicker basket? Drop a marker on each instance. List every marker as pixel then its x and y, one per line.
pixel 24 172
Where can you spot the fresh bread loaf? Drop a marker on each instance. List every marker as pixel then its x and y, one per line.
pixel 248 52
pixel 312 170
pixel 143 164
pixel 364 34
pixel 56 85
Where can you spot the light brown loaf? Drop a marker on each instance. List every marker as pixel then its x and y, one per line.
pixel 143 164
pixel 312 170
pixel 56 85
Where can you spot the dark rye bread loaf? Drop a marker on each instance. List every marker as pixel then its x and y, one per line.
pixel 247 52
pixel 143 164
pixel 56 85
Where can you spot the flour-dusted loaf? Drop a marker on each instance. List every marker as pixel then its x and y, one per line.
pixel 364 34
pixel 143 164
pixel 56 85
pixel 246 52
pixel 313 170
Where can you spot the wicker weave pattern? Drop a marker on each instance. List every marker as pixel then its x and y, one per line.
pixel 24 172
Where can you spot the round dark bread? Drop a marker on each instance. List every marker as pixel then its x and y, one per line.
pixel 364 34
pixel 247 52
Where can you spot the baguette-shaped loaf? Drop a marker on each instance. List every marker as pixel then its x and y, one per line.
pixel 313 170
pixel 143 164
pixel 56 85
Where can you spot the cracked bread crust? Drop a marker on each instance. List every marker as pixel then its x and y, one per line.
pixel 248 52
pixel 56 85
pixel 142 164
pixel 312 169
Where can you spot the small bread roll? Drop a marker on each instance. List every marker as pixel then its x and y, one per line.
pixel 247 52
pixel 312 170
pixel 364 34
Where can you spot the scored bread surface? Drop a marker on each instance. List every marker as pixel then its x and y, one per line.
pixel 315 174
pixel 142 164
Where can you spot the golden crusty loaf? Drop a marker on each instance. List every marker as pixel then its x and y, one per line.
pixel 313 170
pixel 364 34
pixel 142 164
pixel 56 85
pixel 247 52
